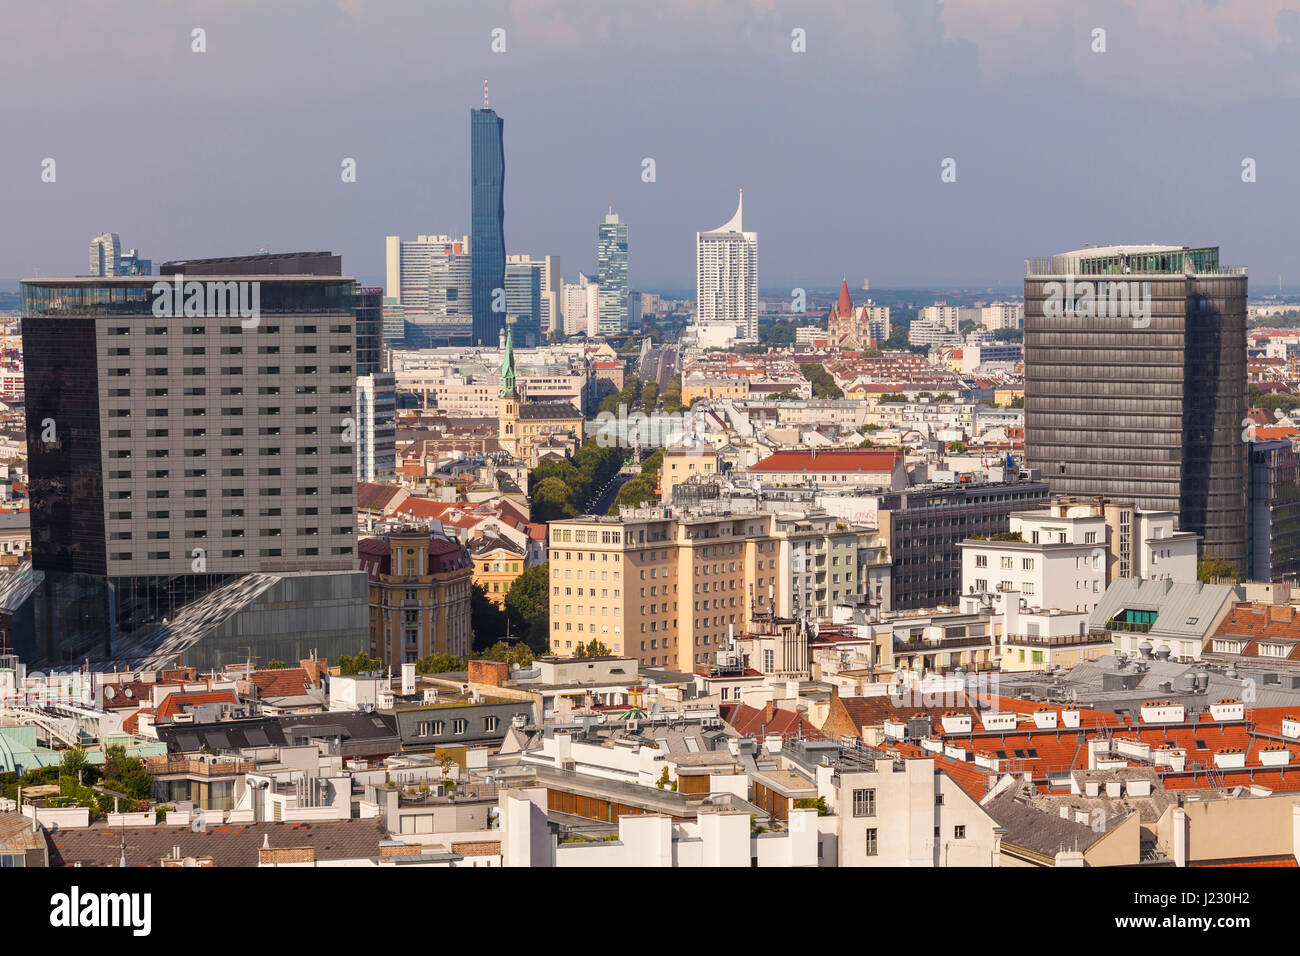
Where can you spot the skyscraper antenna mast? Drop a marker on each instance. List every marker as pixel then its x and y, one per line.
pixel 485 93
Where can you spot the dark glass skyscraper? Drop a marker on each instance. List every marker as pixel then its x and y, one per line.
pixel 1135 383
pixel 487 223
pixel 369 309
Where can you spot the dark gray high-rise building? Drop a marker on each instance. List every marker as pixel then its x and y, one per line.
pixel 487 223
pixel 1135 383
pixel 183 433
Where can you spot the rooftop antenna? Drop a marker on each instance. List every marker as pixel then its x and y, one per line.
pixel 485 93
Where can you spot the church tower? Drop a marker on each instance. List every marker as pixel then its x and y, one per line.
pixel 508 403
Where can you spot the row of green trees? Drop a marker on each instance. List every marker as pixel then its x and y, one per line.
pixel 673 395
pixel 562 489
pixel 641 489
pixel 823 385
pixel 628 395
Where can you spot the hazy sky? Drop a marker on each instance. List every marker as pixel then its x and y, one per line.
pixel 839 148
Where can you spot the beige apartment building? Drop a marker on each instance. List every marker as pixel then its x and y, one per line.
pixel 684 462
pixel 664 588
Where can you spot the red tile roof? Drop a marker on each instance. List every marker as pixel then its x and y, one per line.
pixel 285 682
pixel 173 703
pixel 836 460
pixel 752 722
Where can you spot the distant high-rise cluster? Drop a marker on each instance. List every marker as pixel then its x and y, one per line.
pixel 428 285
pixel 108 259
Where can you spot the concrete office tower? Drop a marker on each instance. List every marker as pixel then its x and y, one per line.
pixel 726 276
pixel 611 258
pixel 177 445
pixel 1135 382
pixel 487 221
pixel 429 281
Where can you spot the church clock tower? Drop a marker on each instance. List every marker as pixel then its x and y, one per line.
pixel 508 403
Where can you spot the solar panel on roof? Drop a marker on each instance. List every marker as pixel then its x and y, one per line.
pixel 256 737
pixel 217 740
pixel 188 743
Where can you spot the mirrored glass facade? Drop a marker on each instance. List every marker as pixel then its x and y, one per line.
pixel 487 223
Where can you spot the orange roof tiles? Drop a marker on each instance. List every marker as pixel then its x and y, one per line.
pixel 172 704
pixel 838 460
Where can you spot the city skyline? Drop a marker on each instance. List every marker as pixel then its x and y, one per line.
pixel 886 165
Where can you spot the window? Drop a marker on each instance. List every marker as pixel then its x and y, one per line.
pixel 873 847
pixel 458 725
pixel 864 803
pixel 490 724
pixel 981 560
pixel 959 832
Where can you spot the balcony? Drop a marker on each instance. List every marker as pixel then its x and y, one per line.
pixel 1130 626
pixel 1058 640
pixel 160 766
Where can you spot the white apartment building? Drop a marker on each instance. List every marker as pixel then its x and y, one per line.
pixel 946 316
pixel 375 430
pixel 726 275
pixel 581 306
pixel 931 332
pixel 1069 552
pixel 882 813
pixel 1059 564
pixel 1002 315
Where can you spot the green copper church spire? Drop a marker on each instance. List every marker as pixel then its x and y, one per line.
pixel 508 365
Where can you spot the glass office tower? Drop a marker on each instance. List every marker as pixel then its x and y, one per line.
pixel 524 301
pixel 369 309
pixel 487 223
pixel 611 258
pixel 1135 383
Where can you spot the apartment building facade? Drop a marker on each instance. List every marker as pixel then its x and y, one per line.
pixel 419 596
pixel 663 588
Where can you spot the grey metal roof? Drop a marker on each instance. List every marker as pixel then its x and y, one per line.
pixel 1183 611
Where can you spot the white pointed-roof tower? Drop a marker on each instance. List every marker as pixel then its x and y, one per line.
pixel 734 223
